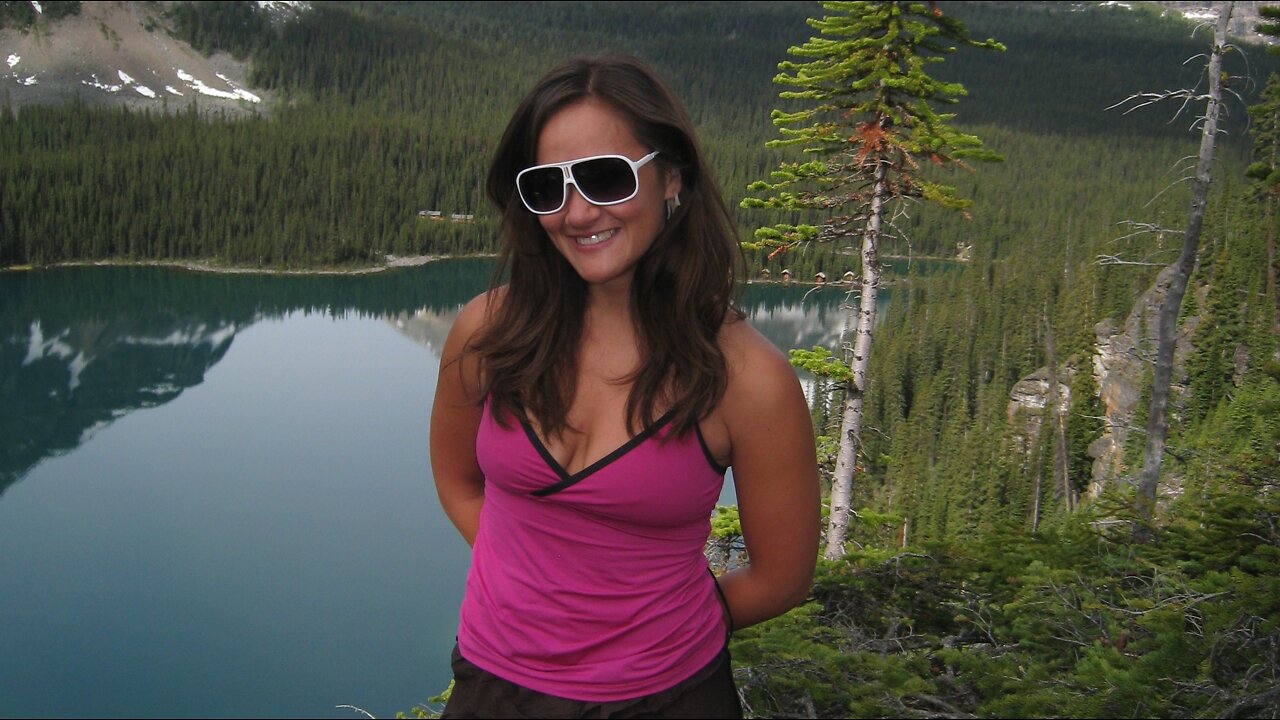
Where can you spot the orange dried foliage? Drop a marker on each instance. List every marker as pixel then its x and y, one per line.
pixel 870 137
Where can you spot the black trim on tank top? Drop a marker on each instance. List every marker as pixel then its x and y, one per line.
pixel 706 451
pixel 567 480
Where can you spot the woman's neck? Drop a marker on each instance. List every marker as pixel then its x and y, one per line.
pixel 609 336
pixel 609 303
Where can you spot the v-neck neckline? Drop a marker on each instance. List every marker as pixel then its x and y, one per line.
pixel 568 479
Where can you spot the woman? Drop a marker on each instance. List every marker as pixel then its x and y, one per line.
pixel 586 412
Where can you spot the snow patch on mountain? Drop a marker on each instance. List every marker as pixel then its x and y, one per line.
pixel 120 54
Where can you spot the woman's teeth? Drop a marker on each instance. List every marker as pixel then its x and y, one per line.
pixel 596 239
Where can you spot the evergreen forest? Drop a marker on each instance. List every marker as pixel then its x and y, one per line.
pixel 990 569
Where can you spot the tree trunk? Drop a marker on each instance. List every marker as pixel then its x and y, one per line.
pixel 1158 417
pixel 1056 421
pixel 1037 475
pixel 1272 291
pixel 851 418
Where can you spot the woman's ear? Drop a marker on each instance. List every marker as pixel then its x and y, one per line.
pixel 674 184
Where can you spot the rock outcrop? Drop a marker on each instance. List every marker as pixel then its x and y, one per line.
pixel 120 54
pixel 1028 402
pixel 1120 363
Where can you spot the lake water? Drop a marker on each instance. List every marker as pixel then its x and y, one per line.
pixel 215 492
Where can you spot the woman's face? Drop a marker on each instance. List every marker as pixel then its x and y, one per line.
pixel 603 244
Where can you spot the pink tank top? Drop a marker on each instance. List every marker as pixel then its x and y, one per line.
pixel 593 586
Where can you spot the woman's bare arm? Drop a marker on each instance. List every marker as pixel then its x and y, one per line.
pixel 775 473
pixel 455 419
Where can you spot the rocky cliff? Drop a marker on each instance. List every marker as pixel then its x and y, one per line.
pixel 1121 362
pixel 119 54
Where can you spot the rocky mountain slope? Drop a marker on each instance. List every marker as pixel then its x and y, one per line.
pixel 123 53
pixel 120 53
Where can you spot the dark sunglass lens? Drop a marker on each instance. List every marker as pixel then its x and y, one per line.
pixel 542 189
pixel 604 180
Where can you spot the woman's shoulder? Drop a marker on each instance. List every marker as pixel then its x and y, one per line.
pixel 747 351
pixel 468 327
pixel 763 403
pixel 758 370
pixel 474 316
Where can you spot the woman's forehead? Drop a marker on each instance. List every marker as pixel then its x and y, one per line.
pixel 583 129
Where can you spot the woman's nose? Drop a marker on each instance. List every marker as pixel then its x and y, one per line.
pixel 577 210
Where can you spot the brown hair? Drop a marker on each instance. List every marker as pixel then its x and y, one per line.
pixel 683 287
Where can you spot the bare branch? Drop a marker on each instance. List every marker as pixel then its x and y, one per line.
pixel 1151 98
pixel 1144 228
pixel 946 708
pixel 809 292
pixel 1198 56
pixel 1116 260
pixel 1175 183
pixel 1186 162
pixel 1146 357
pixel 1226 109
pixel 877 431
pixel 1252 703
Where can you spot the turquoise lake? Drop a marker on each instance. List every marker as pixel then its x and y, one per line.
pixel 215 492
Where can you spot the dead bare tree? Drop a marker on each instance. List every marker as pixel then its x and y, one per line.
pixel 1158 415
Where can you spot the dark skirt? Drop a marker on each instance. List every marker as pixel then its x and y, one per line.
pixel 710 693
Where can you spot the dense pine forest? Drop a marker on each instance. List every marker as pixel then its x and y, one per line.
pixel 393 107
pixel 990 570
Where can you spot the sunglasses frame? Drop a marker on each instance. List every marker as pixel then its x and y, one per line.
pixel 566 172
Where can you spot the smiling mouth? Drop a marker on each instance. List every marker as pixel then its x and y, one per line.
pixel 595 239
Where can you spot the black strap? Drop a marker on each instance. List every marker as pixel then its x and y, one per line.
pixel 728 613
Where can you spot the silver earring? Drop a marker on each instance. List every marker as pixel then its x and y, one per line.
pixel 672 203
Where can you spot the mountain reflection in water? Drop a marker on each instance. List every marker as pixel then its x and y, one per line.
pixel 82 347
pixel 264 541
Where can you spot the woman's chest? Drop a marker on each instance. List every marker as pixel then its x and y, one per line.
pixel 651 479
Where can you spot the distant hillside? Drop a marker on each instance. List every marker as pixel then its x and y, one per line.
pixel 166 55
pixel 118 54
pixel 355 117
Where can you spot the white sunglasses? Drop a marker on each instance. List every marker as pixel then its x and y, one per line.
pixel 600 179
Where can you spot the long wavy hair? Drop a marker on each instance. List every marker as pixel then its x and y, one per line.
pixel 683 287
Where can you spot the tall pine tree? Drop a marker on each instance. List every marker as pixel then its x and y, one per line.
pixel 868 124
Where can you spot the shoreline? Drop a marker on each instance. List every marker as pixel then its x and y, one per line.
pixel 392 262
